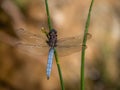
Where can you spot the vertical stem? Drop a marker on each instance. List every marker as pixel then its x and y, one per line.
pixel 55 52
pixel 48 15
pixel 59 69
pixel 83 48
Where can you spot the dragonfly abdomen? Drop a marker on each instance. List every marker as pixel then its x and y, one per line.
pixel 50 61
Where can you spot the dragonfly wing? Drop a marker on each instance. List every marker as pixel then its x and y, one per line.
pixel 31 37
pixel 50 61
pixel 67 46
pixel 68 50
pixel 36 49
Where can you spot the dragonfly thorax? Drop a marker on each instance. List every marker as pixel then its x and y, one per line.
pixel 52 38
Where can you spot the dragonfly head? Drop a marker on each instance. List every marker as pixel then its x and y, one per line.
pixel 53 31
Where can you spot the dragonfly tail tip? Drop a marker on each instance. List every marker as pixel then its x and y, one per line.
pixel 47 78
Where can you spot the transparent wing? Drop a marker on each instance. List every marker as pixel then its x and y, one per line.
pixel 36 49
pixel 67 46
pixel 28 36
pixel 64 47
pixel 31 42
pixel 37 44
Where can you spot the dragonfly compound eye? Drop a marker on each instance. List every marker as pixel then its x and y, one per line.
pixel 53 31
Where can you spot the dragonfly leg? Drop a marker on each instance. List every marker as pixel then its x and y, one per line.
pixel 55 44
pixel 47 42
pixel 48 36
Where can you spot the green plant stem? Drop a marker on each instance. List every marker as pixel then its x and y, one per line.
pixel 84 47
pixel 55 52
pixel 48 15
pixel 59 69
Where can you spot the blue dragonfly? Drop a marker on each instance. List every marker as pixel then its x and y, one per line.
pixel 64 46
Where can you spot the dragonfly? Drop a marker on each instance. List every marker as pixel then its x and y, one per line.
pixel 64 46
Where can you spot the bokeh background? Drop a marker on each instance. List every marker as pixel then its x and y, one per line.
pixel 26 70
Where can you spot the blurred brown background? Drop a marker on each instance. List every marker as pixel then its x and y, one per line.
pixel 27 71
